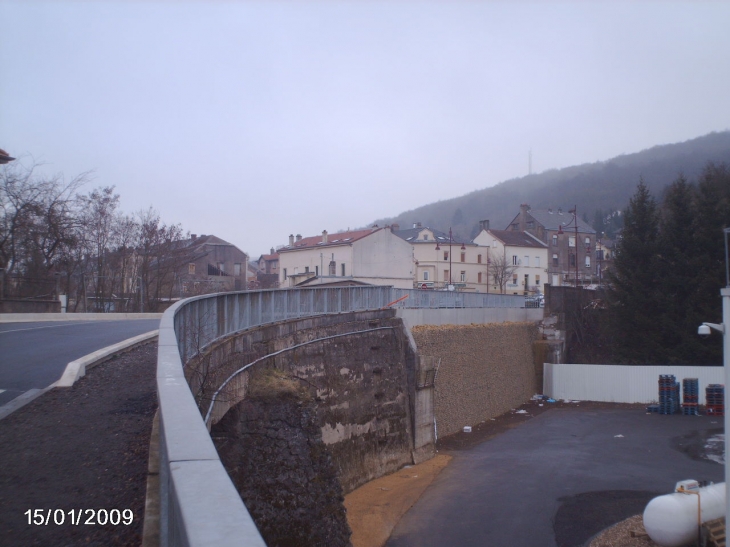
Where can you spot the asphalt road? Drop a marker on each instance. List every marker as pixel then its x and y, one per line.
pixel 34 355
pixel 509 490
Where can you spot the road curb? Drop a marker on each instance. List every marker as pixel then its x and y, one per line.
pixel 76 369
pixel 35 317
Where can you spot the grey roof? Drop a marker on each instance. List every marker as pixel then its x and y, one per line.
pixel 517 239
pixel 410 235
pixel 552 220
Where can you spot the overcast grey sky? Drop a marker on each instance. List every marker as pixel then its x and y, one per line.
pixel 254 120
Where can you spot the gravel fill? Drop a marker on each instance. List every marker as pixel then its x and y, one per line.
pixel 78 448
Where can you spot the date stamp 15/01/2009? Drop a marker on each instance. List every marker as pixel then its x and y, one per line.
pixel 79 517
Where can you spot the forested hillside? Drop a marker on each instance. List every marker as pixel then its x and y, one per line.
pixel 604 186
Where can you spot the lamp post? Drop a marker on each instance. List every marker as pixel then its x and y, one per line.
pixel 724 328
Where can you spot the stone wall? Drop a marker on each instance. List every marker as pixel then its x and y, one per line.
pixel 364 385
pixel 272 448
pixel 481 371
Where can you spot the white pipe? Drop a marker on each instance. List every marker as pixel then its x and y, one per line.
pixel 672 520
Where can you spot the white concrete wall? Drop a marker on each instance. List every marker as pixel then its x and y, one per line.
pixel 383 258
pixel 620 383
pixel 467 316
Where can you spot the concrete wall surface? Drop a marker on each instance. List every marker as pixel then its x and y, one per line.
pixel 468 316
pixel 481 371
pixel 620 383
pixel 38 317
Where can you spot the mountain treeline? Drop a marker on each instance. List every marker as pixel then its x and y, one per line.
pixel 668 269
pixel 601 188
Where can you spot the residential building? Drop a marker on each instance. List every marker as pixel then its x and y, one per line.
pixel 373 256
pixel 441 261
pixel 516 261
pixel 213 265
pixel 571 243
pixel 268 271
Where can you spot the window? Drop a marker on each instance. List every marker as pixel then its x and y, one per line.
pixel 463 257
pixel 515 262
pixel 572 260
pixel 316 271
pixel 333 267
pixel 446 275
pixel 284 273
pixel 530 224
pixel 537 262
pixel 527 261
pixel 515 227
pixel 296 271
pixel 537 280
pixel 237 268
pixel 425 276
pixel 479 277
pixel 479 259
pixel 221 267
pixel 343 269
pixel 425 237
pixel 494 243
pixel 571 241
pixel 555 240
pixel 588 261
pixel 588 242
pixel 446 255
pixel 306 269
pixel 514 279
pixel 191 268
pixel 462 278
pixel 555 260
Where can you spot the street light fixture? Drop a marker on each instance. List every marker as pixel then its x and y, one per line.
pixel 704 330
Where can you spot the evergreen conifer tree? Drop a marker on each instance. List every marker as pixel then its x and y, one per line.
pixel 634 303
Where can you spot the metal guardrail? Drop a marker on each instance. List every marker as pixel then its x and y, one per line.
pixel 199 504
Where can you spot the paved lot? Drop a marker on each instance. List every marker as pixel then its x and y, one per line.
pixel 566 466
pixel 34 355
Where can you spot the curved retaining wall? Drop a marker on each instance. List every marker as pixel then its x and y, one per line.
pixel 199 506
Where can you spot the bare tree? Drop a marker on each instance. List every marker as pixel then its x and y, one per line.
pixel 37 220
pixel 499 270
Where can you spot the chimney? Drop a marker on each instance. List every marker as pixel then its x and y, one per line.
pixel 418 225
pixel 524 207
pixel 395 228
pixel 299 237
pixel 291 240
pixel 272 251
pixel 483 225
pixel 324 236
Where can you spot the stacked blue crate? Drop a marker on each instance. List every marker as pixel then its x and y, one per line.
pixel 668 394
pixel 715 399
pixel 690 397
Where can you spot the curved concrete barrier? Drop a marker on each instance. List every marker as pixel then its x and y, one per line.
pixel 199 505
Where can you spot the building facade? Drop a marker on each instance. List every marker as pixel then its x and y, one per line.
pixel 571 243
pixel 440 261
pixel 517 261
pixel 373 256
pixel 213 265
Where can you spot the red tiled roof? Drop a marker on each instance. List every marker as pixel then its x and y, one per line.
pixel 342 238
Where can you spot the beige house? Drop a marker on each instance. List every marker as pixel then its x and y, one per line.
pixel 440 260
pixel 517 261
pixel 372 256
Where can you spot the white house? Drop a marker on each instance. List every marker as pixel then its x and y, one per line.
pixel 440 260
pixel 372 256
pixel 518 261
